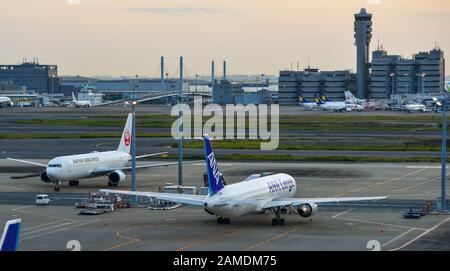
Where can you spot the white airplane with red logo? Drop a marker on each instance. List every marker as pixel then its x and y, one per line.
pixel 89 165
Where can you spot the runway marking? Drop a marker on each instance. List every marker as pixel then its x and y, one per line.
pixel 426 167
pixel 418 184
pixel 51 227
pixel 130 239
pixel 19 209
pixel 380 183
pixel 344 212
pixel 337 216
pixel 59 230
pixel 45 224
pixel 398 237
pixel 276 237
pixel 423 234
pixel 213 237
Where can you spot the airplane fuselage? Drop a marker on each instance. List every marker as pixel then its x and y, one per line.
pixel 80 166
pixel 415 107
pixel 335 106
pixel 257 191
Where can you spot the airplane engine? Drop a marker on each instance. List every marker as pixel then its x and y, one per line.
pixel 117 177
pixel 307 210
pixel 44 177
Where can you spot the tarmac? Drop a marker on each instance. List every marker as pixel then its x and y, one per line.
pixel 351 226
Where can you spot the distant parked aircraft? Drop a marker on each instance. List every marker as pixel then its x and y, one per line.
pixel 5 102
pixel 76 103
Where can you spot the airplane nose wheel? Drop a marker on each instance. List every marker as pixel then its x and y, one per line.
pixel 278 221
pixel 221 220
pixel 56 188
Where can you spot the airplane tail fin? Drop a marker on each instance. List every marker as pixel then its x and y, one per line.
pixel 73 97
pixel 10 237
pixel 349 96
pixel 125 141
pixel 317 99
pixel 301 98
pixel 214 176
pixel 324 97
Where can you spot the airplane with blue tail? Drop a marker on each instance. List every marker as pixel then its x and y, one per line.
pixel 257 194
pixel 11 236
pixel 305 103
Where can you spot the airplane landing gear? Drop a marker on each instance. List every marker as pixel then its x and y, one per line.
pixel 278 220
pixel 74 183
pixel 221 220
pixel 56 188
pixel 111 184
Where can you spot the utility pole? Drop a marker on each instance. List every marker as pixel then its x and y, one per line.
pixel 133 145
pixel 180 128
pixel 444 158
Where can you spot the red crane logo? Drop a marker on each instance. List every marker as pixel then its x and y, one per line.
pixel 127 138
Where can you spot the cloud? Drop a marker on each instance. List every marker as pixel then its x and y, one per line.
pixel 182 10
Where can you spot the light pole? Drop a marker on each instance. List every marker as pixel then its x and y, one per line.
pixel 444 157
pixel 133 143
pixel 196 82
pixel 262 81
pixel 133 152
pixel 180 127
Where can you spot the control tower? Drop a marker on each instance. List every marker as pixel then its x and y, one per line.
pixel 363 35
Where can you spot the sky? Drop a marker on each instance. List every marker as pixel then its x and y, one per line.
pixel 127 37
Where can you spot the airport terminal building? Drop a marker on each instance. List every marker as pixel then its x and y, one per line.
pixel 423 74
pixel 312 81
pixel 35 77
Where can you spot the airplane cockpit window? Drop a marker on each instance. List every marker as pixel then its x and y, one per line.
pixel 54 165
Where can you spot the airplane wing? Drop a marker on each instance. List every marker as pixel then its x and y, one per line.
pixel 27 162
pixel 149 155
pixel 102 171
pixel 283 202
pixel 195 200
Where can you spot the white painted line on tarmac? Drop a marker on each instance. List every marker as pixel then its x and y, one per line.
pixel 336 216
pixel 59 230
pixel 422 235
pixel 41 225
pixel 424 167
pixel 51 227
pixel 398 237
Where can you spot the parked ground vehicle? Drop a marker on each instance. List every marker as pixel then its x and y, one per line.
pixel 42 199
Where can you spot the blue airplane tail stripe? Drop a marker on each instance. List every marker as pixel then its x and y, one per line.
pixel 10 237
pixel 215 183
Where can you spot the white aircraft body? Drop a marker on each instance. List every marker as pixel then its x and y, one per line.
pixel 255 195
pixel 415 107
pixel 5 101
pixel 89 165
pixel 351 99
pixel 329 105
pixel 76 103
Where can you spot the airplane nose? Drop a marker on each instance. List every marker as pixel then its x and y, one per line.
pixel 52 173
